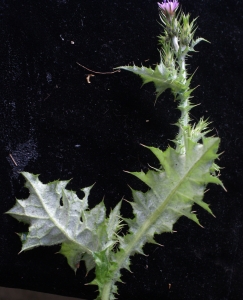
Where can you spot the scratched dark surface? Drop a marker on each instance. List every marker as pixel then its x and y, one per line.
pixel 54 123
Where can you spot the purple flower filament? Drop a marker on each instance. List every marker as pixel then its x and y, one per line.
pixel 168 7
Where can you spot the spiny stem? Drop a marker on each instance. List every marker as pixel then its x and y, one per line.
pixel 184 104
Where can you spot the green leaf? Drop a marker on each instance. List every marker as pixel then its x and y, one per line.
pixel 75 254
pixel 57 216
pixel 160 76
pixel 173 189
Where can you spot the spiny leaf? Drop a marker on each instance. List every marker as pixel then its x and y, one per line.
pixel 163 79
pixel 174 189
pixel 57 216
pixel 160 76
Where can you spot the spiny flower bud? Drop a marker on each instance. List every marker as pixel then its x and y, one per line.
pixel 187 30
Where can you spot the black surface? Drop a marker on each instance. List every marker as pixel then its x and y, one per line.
pixel 56 124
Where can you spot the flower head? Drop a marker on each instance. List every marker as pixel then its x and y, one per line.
pixel 168 7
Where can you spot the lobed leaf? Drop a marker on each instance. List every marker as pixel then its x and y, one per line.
pixel 57 216
pixel 173 189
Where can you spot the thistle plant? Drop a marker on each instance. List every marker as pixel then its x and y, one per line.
pixel 57 216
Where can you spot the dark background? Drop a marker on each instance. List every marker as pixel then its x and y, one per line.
pixel 55 124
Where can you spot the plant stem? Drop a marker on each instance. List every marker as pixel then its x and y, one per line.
pixel 175 43
pixel 184 108
pixel 184 101
pixel 106 291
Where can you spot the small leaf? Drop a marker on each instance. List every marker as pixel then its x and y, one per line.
pixel 160 76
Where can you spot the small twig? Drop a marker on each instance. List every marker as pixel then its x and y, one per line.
pixel 10 155
pixel 103 73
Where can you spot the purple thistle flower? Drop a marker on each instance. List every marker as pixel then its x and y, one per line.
pixel 169 7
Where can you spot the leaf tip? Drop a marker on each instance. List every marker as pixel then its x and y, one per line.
pixel 126 172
